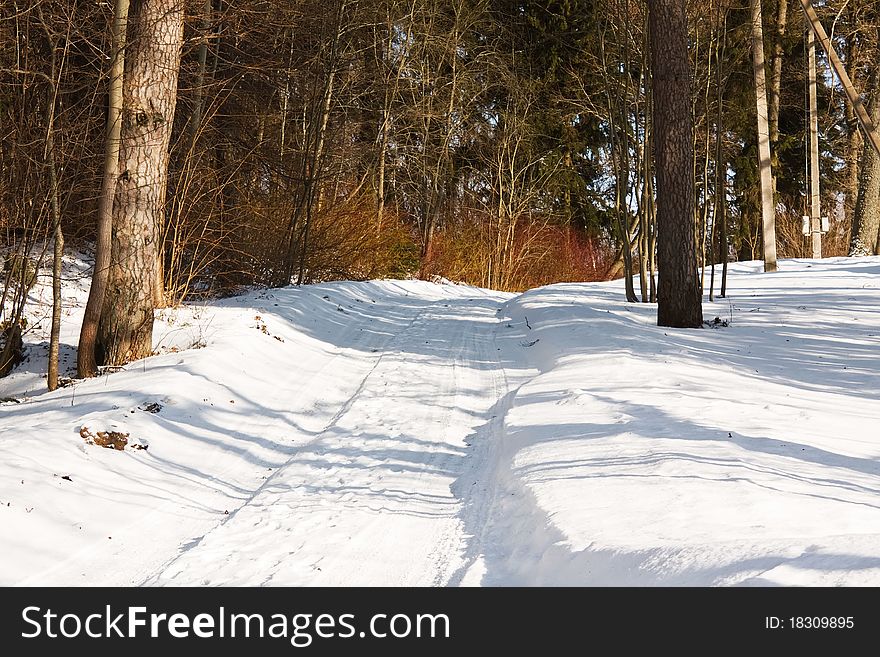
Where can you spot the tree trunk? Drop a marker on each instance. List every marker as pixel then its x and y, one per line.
pixel 678 295
pixel 431 221
pixel 776 84
pixel 768 210
pixel 314 181
pixel 854 141
pixel 725 242
pixel 866 217
pixel 195 120
pixel 57 235
pixel 58 248
pixel 776 79
pixel 86 356
pixel 383 155
pixel 125 332
pixel 720 168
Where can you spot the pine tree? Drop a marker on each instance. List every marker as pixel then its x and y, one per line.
pixel 678 294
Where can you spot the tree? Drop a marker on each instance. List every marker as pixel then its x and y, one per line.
pixel 678 294
pixel 86 364
pixel 776 78
pixel 866 217
pixel 57 234
pixel 125 330
pixel 768 207
pixel 501 142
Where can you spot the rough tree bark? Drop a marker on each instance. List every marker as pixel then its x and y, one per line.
pixel 678 295
pixel 125 330
pixel 866 217
pixel 86 363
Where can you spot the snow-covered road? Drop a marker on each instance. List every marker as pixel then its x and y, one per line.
pixel 399 433
pixel 378 496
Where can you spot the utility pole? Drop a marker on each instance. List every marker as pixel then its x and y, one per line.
pixel 815 202
pixel 868 126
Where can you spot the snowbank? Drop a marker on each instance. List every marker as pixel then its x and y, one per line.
pixel 408 433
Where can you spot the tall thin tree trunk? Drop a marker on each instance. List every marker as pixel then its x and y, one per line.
pixel 776 78
pixel 313 193
pixel 866 218
pixel 383 155
pixel 720 171
pixel 721 163
pixel 854 141
pixel 57 254
pixel 776 82
pixel 725 246
pixel 57 235
pixel 768 210
pixel 649 186
pixel 86 352
pixel 125 331
pixel 387 51
pixel 678 296
pixel 195 121
pixel 704 186
pixel 643 225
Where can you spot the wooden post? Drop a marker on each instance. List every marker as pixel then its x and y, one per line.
pixel 815 201
pixel 868 126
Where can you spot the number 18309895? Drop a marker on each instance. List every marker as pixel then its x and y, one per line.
pixel 809 622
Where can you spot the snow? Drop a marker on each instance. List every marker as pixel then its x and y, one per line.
pixel 400 433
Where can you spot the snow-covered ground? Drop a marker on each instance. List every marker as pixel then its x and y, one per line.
pixel 410 433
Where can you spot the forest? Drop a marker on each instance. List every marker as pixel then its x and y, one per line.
pixel 194 148
pixel 439 293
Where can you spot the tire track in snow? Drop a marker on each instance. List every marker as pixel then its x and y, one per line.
pixel 142 559
pixel 363 342
pixel 369 500
pixel 511 540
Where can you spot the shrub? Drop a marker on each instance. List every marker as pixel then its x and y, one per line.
pixel 531 254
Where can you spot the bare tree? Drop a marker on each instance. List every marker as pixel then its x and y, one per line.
pixel 57 234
